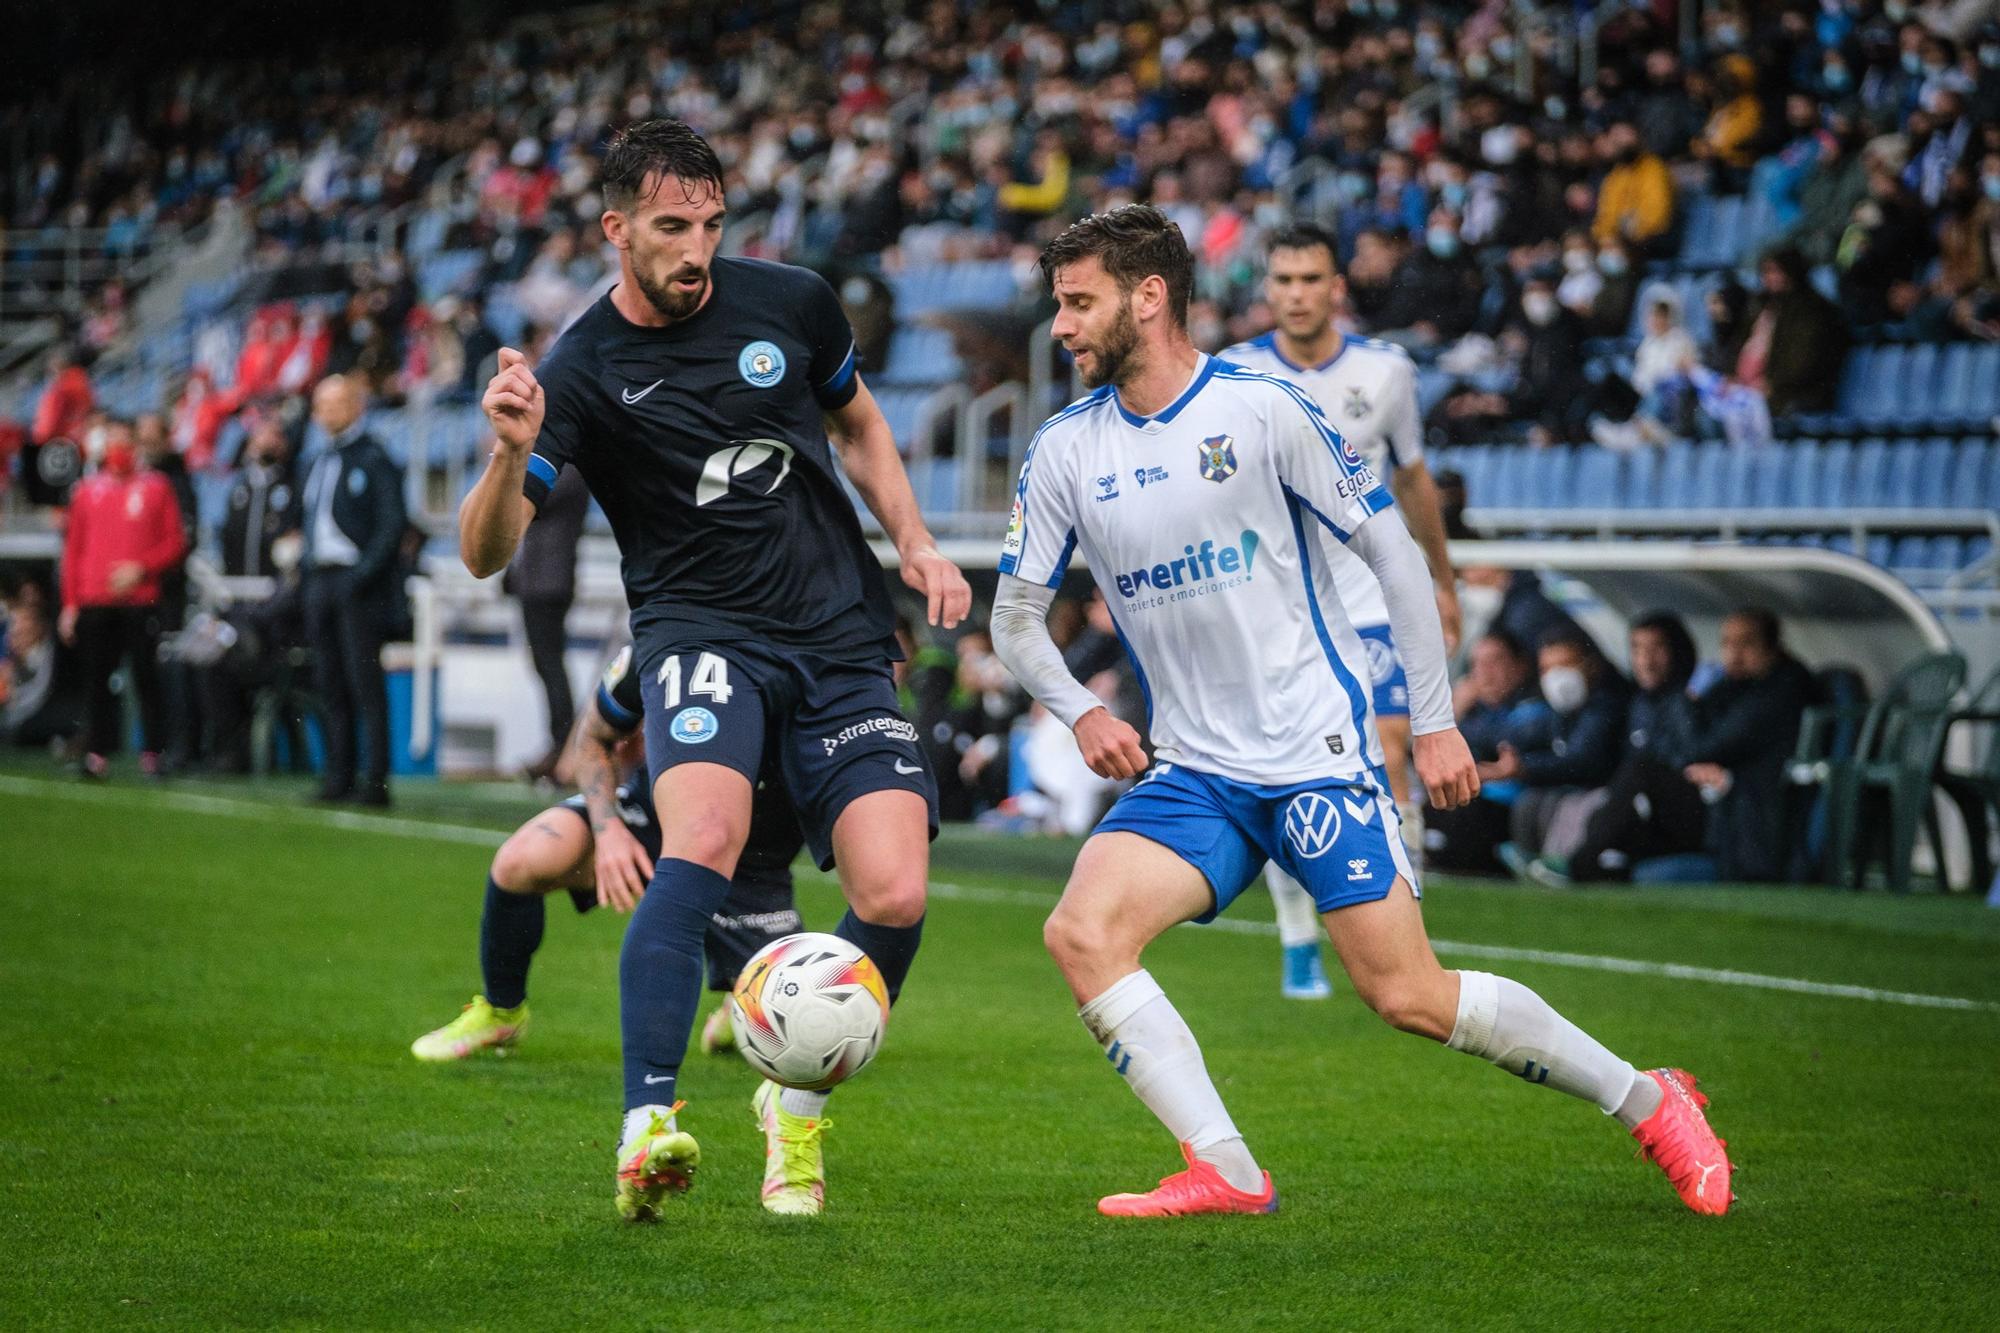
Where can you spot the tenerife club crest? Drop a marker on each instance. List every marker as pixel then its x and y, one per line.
pixel 1218 458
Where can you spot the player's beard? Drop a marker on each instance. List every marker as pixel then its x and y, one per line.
pixel 1112 360
pixel 669 300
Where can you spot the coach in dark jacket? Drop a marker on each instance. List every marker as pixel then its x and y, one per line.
pixel 353 523
pixel 1746 727
pixel 264 503
pixel 543 578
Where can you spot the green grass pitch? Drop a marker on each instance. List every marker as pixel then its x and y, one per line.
pixel 210 1117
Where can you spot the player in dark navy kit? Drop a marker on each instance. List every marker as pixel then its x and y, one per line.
pixel 697 399
pixel 600 846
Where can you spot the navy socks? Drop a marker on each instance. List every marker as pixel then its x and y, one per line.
pixel 893 948
pixel 660 976
pixel 510 930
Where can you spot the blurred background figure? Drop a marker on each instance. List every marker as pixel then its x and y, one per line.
pixel 124 535
pixel 543 580
pixel 354 520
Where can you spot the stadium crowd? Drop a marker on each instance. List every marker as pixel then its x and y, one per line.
pixel 1495 217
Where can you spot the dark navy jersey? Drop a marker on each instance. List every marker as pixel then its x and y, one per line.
pixel 775 835
pixel 703 443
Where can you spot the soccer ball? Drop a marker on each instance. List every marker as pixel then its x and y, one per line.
pixel 809 1010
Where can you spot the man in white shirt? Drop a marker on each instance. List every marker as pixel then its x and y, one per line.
pixel 1190 486
pixel 1368 390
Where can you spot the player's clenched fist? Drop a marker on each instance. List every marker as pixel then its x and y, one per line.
pixel 514 403
pixel 1445 767
pixel 1109 746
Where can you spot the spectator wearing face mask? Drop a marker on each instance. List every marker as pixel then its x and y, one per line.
pixel 123 535
pixel 1495 700
pixel 1434 295
pixel 1635 200
pixel 1659 739
pixel 1724 790
pixel 1579 750
pixel 1551 390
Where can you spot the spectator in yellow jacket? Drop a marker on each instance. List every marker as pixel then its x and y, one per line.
pixel 1729 139
pixel 1635 201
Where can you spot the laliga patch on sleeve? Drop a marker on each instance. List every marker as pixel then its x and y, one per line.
pixel 1015 524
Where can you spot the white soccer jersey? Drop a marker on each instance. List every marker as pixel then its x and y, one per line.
pixel 1368 390
pixel 1196 525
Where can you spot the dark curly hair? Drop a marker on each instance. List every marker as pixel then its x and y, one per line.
pixel 1133 242
pixel 666 147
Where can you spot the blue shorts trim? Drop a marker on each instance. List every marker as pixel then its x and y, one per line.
pixel 1385 671
pixel 1340 838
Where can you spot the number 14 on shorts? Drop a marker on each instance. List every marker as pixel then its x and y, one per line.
pixel 708 680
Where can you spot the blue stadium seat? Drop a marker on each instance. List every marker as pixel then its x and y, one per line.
pixel 1974 550
pixel 1546 477
pixel 1935 463
pixel 1871 473
pixel 1594 482
pixel 935 480
pixel 1916 387
pixel 899 409
pixel 1905 460
pixel 1880 548
pixel 1771 472
pixel 1506 478
pixel 1881 394
pixel 1973 484
pixel 1830 485
pixel 1677 477
pixel 1474 462
pixel 1955 388
pixel 1854 381
pixel 919 355
pixel 1908 552
pixel 1738 467
pixel 1697 229
pixel 1711 462
pixel 975 284
pixel 1640 488
pixel 1984 402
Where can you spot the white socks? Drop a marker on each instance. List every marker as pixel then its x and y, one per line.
pixel 797 1101
pixel 1298 919
pixel 1412 812
pixel 1152 1049
pixel 640 1119
pixel 1506 1023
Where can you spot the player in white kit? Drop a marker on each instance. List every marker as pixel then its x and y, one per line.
pixel 1190 487
pixel 1368 390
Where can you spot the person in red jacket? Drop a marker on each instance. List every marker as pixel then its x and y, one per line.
pixel 124 532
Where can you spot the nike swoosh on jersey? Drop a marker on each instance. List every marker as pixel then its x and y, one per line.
pixel 631 397
pixel 907 769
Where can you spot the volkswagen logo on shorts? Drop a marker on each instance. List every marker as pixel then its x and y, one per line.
pixel 1381 660
pixel 1312 824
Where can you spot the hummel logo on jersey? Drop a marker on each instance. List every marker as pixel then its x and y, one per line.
pixel 1358 867
pixel 1197 565
pixel 1107 488
pixel 631 397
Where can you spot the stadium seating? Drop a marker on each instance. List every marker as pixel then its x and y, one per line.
pixel 985 284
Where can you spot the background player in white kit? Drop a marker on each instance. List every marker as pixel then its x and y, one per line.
pixel 1368 390
pixel 1189 485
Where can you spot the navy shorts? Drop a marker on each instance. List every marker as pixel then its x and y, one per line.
pixel 1339 838
pixel 833 730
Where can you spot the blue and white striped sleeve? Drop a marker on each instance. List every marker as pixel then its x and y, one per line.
pixel 1041 531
